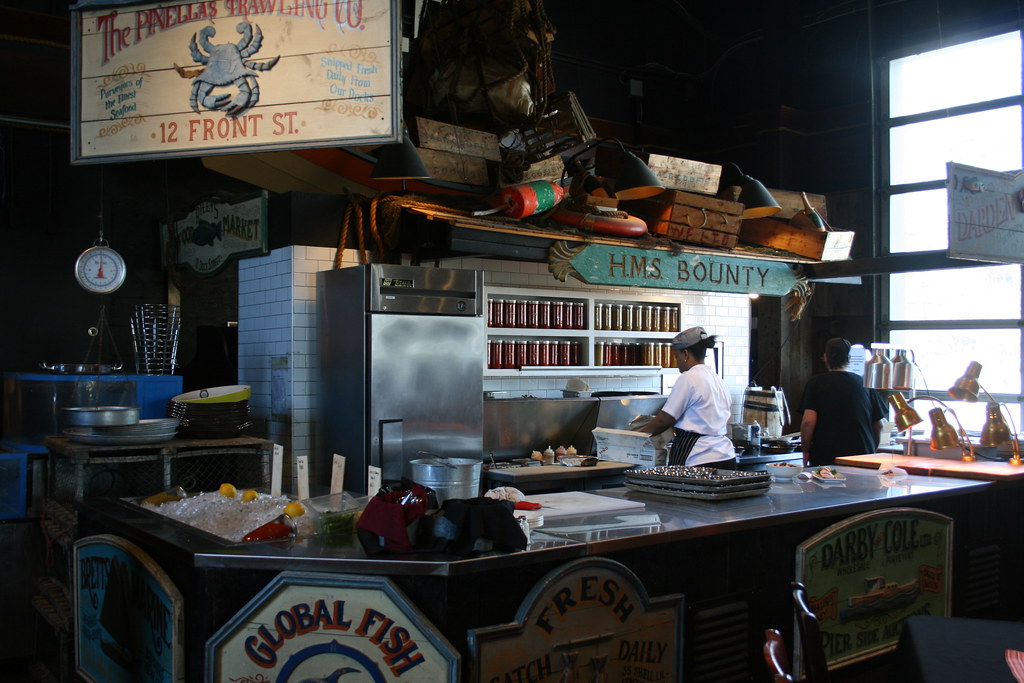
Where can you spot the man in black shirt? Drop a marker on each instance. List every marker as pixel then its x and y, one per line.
pixel 841 417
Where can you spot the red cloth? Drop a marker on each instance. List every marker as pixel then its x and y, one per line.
pixel 387 518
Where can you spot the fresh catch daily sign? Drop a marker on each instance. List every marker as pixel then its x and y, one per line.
pixel 196 78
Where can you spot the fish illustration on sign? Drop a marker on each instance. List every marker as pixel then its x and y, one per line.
pixel 206 232
pixel 226 65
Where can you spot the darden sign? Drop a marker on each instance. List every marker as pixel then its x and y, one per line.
pixel 320 627
pixel 197 78
pixel 625 266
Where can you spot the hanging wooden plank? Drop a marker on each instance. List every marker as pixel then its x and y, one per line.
pixel 986 214
pixel 677 173
pixel 624 266
pixel 449 138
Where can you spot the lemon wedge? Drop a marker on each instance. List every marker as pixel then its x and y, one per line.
pixel 294 510
pixel 250 495
pixel 228 490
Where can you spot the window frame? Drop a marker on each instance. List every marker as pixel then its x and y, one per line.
pixel 884 124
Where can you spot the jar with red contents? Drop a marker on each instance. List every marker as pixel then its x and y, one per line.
pixel 521 353
pixel 564 353
pixel 532 314
pixel 533 352
pixel 576 353
pixel 510 313
pixel 545 353
pixel 558 317
pixel 508 355
pixel 579 315
pixel 494 357
pixel 544 315
pixel 496 313
pixel 520 305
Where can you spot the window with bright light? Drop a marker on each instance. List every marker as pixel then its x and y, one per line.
pixel 964 104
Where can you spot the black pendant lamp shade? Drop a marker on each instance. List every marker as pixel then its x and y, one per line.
pixel 399 161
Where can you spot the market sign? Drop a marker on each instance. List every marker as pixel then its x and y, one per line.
pixel 221 76
pixel 867 574
pixel 600 264
pixel 986 214
pixel 307 626
pixel 589 620
pixel 129 621
pixel 216 231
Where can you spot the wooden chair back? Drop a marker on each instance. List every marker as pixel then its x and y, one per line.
pixel 776 658
pixel 815 669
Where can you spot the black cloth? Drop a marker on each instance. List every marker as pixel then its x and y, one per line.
pixel 682 444
pixel 846 411
pixel 941 649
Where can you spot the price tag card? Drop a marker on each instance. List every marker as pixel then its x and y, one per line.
pixel 373 480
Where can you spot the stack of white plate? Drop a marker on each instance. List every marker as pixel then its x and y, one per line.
pixel 214 413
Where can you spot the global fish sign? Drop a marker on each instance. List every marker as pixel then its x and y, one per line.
pixel 305 626
pixel 216 231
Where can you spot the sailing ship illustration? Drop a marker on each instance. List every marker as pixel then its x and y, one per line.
pixel 879 596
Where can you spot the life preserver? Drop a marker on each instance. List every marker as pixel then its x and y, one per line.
pixel 627 226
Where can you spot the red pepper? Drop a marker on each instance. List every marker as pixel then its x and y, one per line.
pixel 527 505
pixel 269 532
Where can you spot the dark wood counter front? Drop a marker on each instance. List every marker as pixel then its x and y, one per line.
pixel 733 561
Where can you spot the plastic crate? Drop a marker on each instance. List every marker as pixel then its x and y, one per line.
pixel 13 485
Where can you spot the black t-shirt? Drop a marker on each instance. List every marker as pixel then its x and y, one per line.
pixel 846 410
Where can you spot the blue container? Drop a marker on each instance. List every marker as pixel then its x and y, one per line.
pixel 13 485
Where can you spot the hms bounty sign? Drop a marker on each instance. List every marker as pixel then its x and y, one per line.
pixel 219 76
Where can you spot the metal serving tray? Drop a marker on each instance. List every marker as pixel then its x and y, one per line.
pixel 705 494
pixel 703 477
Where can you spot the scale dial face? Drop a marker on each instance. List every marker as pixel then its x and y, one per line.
pixel 100 270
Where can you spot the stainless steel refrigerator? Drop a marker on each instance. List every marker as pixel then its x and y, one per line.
pixel 401 358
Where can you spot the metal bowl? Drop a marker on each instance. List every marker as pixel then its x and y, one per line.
pixel 101 416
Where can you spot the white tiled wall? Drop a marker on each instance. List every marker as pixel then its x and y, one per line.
pixel 277 340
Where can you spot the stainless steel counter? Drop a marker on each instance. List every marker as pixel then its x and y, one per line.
pixel 663 520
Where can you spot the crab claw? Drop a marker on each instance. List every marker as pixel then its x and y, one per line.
pixel 216 101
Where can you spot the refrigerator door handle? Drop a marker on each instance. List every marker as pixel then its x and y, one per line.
pixel 377 455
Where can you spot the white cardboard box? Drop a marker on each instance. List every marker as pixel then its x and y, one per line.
pixel 624 445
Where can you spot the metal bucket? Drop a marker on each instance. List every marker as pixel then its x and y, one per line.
pixel 449 477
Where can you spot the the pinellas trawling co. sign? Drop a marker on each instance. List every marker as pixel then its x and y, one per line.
pixel 626 266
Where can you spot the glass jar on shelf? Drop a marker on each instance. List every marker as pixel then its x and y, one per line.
pixel 496 312
pixel 598 316
pixel 558 321
pixel 599 353
pixel 666 319
pixel 545 352
pixel 579 315
pixel 533 352
pixel 532 314
pixel 544 315
pixel 627 317
pixel 510 313
pixel 520 306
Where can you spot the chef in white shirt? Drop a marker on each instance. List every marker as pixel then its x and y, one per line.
pixel 699 407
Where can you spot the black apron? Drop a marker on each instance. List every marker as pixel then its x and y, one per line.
pixel 684 442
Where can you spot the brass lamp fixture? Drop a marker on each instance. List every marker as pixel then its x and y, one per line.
pixel 943 434
pixel 995 432
pixel 635 179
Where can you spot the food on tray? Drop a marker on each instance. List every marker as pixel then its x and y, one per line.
pixel 294 509
pixel 827 474
pixel 510 493
pixel 230 518
pixel 784 464
pixel 277 528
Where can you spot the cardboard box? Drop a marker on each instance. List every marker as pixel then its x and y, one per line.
pixel 623 445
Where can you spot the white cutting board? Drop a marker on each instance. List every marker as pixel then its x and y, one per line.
pixel 569 503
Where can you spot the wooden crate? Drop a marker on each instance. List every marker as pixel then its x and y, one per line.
pixel 832 245
pixel 689 217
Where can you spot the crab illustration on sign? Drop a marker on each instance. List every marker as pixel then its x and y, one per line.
pixel 226 66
